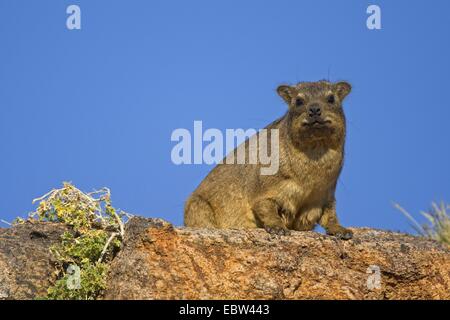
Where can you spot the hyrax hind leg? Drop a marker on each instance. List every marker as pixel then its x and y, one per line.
pixel 198 213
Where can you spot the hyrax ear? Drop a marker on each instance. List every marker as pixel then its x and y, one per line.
pixel 342 89
pixel 285 92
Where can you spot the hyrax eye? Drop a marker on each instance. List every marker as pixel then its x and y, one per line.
pixel 331 98
pixel 299 102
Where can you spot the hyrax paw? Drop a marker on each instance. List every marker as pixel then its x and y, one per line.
pixel 344 234
pixel 280 231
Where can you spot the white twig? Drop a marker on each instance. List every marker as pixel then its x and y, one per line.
pixel 102 190
pixel 44 196
pixel 120 222
pixel 105 248
pixel 126 214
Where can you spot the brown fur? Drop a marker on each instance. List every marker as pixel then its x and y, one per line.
pixel 301 193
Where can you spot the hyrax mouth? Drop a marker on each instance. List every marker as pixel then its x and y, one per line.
pixel 317 123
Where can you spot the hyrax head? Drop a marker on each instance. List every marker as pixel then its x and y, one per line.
pixel 315 111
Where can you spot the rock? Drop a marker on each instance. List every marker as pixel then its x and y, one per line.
pixel 26 264
pixel 159 261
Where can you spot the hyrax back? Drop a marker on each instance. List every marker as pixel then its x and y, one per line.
pixel 301 193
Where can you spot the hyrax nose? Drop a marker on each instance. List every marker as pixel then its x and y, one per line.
pixel 314 110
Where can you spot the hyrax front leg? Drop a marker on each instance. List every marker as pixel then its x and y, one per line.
pixel 267 212
pixel 330 223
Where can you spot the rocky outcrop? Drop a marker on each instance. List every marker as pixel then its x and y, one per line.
pixel 159 261
pixel 27 268
pixel 163 262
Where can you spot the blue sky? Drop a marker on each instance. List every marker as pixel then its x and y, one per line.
pixel 97 106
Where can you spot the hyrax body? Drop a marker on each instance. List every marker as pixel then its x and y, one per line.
pixel 301 193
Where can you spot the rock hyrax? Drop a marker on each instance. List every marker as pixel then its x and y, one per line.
pixel 301 193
